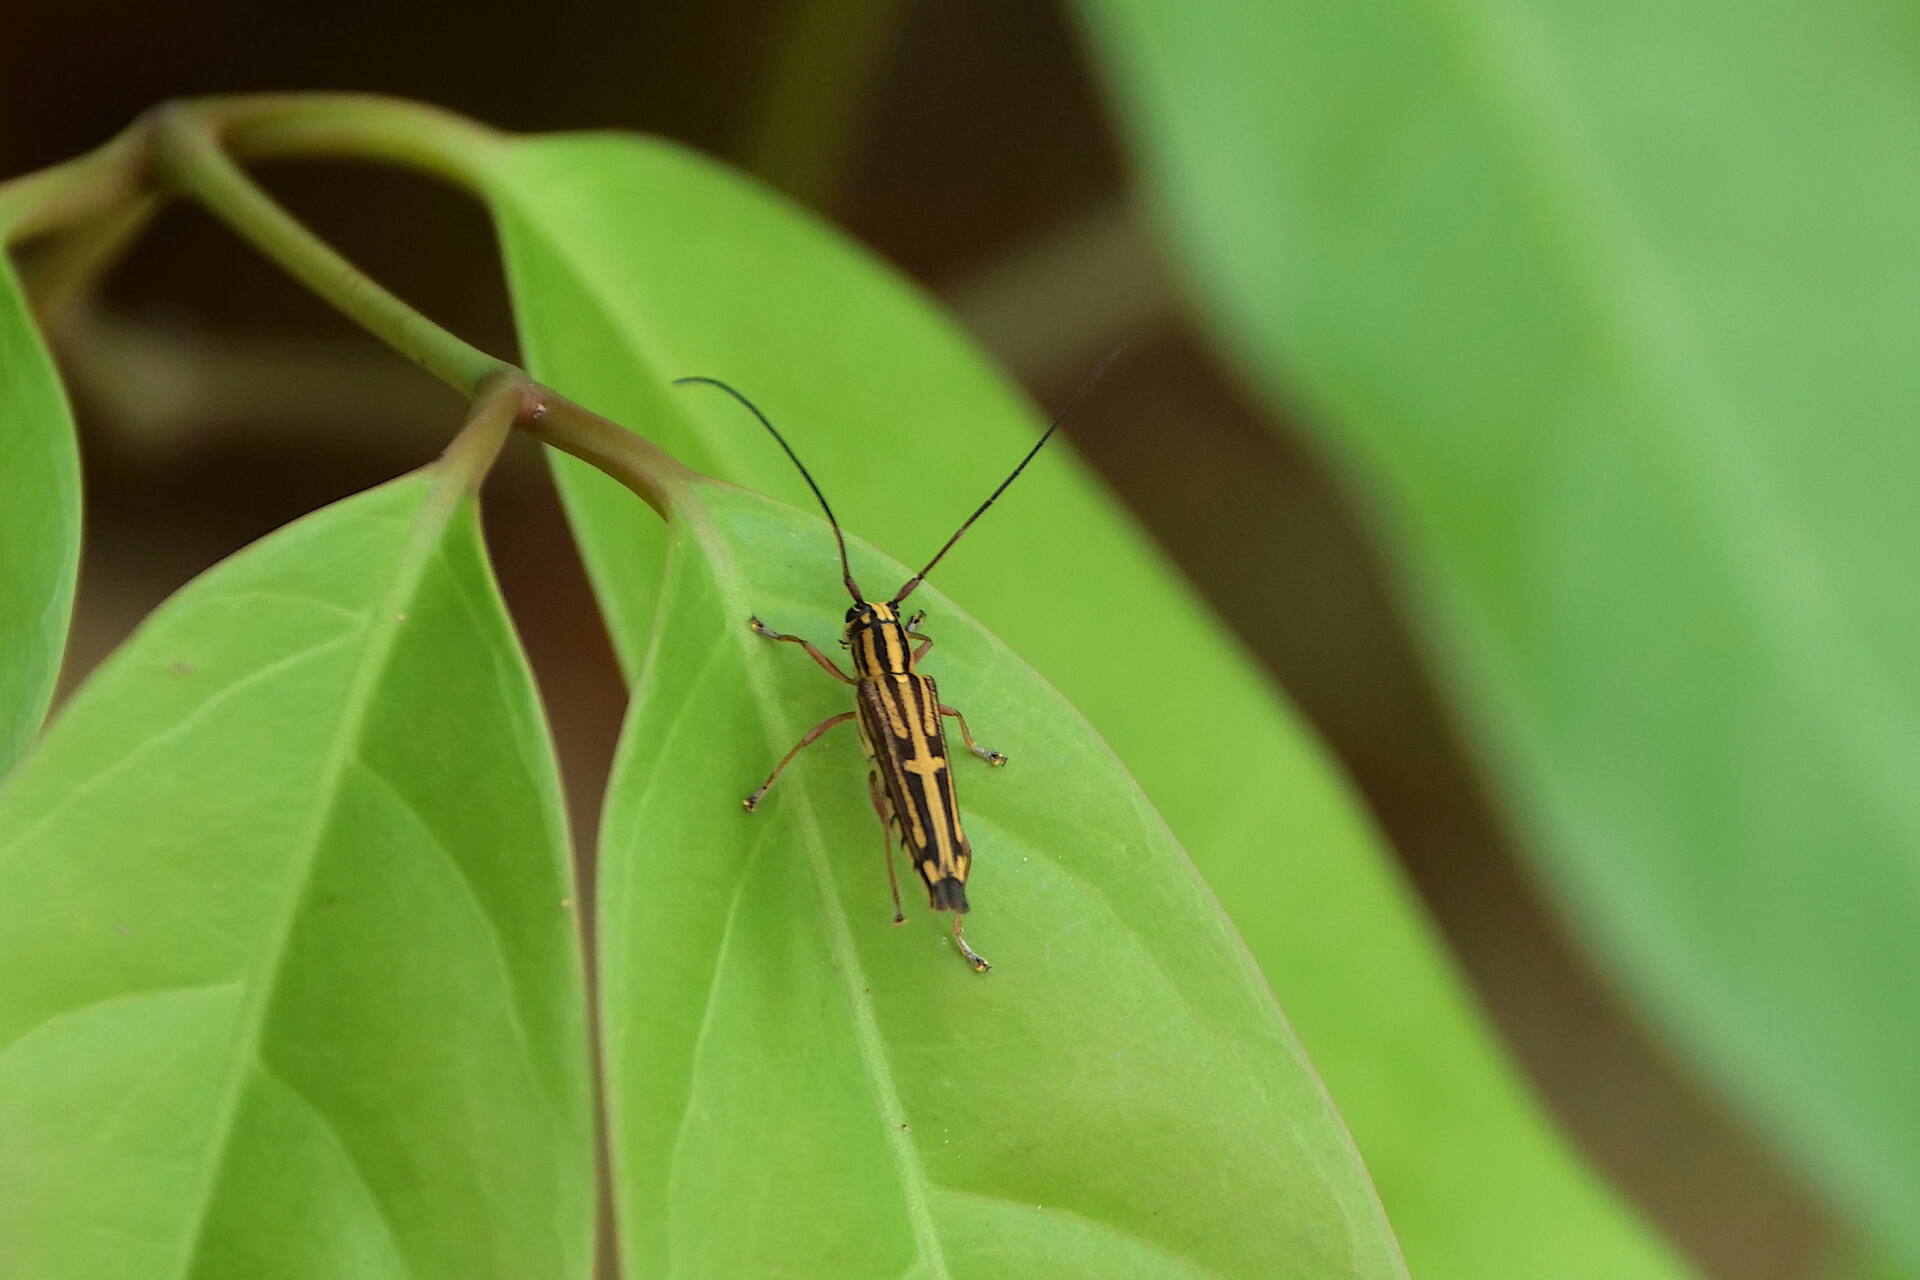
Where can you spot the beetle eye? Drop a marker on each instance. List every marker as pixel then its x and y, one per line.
pixel 919 616
pixel 853 612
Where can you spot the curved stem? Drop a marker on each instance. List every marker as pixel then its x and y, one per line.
pixel 395 131
pixel 75 190
pixel 188 156
pixel 61 278
pixel 825 64
pixel 491 414
pixel 189 148
pixel 252 126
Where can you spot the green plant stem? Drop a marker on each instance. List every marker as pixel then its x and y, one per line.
pixel 825 64
pixel 253 127
pixel 87 186
pixel 100 199
pixel 497 405
pixel 61 277
pixel 188 155
pixel 410 135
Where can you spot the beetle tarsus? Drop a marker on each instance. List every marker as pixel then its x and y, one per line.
pixel 974 958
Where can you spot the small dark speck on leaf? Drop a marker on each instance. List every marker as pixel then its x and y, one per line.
pixel 180 668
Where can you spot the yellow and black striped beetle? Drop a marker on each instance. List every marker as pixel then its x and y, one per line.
pixel 899 711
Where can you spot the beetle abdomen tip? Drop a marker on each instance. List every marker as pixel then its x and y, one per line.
pixel 948 894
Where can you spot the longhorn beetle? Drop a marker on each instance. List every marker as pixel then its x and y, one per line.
pixel 899 710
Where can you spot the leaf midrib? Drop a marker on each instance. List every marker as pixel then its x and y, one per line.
pixel 918 1186
pixel 381 630
pixel 914 1181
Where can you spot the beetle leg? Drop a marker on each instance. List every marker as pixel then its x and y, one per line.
pixel 812 734
pixel 974 958
pixel 889 837
pixel 826 664
pixel 991 757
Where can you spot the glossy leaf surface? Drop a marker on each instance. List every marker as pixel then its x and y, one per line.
pixel 634 263
pixel 795 1083
pixel 296 989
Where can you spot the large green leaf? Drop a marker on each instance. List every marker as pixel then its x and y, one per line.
pixel 294 989
pixel 796 1083
pixel 1854 1264
pixel 1613 307
pixel 633 263
pixel 39 522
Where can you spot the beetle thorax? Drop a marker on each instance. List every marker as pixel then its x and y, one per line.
pixel 878 642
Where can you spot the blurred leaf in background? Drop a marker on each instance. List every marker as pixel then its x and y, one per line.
pixel 302 994
pixel 1611 310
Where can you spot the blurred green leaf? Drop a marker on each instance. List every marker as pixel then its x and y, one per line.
pixel 304 998
pixel 1613 307
pixel 39 522
pixel 1857 1264
pixel 633 263
pixel 795 1079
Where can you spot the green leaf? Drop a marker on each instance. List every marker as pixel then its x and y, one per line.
pixel 301 994
pixel 794 1078
pixel 633 263
pixel 39 522
pixel 1611 307
pixel 1855 1263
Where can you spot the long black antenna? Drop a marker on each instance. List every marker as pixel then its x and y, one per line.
pixel 846 571
pixel 1059 418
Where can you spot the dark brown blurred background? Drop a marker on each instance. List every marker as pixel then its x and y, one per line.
pixel 963 139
